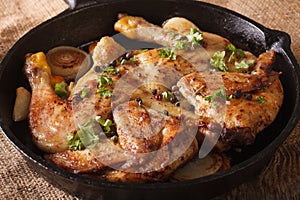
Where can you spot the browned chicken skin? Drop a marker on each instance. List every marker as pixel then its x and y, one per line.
pixel 155 137
pixel 239 127
pixel 49 115
pixel 242 118
pixel 52 118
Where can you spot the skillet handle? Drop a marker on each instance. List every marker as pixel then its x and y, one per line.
pixel 281 42
pixel 76 4
pixel 277 39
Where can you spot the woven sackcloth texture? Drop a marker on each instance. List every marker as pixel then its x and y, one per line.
pixel 280 179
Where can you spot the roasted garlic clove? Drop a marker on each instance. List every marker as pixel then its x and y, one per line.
pixel 22 103
pixel 179 24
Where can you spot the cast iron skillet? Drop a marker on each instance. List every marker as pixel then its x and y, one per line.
pixel 88 21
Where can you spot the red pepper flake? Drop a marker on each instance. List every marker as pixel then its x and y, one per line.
pixel 158 97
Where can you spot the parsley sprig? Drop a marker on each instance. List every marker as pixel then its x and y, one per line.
pixel 61 89
pixel 167 95
pixel 244 64
pixel 74 142
pixel 85 137
pixel 220 58
pixel 260 99
pixel 111 70
pixel 85 91
pixel 104 81
pixel 105 124
pixel 218 61
pixel 221 93
pixel 167 53
pixel 190 41
pixel 235 52
pixel 105 93
pixel 195 37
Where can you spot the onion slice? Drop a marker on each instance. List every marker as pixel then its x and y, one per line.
pixel 197 168
pixel 68 62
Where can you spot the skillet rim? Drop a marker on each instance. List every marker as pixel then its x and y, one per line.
pixel 284 46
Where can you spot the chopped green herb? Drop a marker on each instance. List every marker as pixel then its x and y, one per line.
pixel 167 95
pixel 87 134
pixel 60 89
pixel 229 97
pixel 230 47
pixel 172 33
pixel 261 99
pixel 74 142
pixel 244 64
pixel 218 61
pixel 104 81
pixel 84 92
pixel 111 70
pixel 105 93
pixel 189 41
pixel 219 93
pixel 85 137
pixel 240 53
pixel 132 59
pixel 195 37
pixel 105 124
pixel 234 52
pixel 182 44
pixel 199 90
pixel 167 53
pixel 123 61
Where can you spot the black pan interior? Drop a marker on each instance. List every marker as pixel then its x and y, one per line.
pixel 90 23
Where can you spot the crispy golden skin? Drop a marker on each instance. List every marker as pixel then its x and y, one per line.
pixel 50 117
pixel 243 118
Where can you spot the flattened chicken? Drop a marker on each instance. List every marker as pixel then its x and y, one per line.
pixel 52 118
pixel 244 114
pixel 92 160
pixel 199 85
pixel 136 116
pixel 169 144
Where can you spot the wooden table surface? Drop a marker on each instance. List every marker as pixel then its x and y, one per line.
pixel 280 179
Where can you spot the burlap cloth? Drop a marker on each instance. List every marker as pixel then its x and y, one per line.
pixel 279 180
